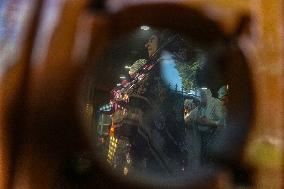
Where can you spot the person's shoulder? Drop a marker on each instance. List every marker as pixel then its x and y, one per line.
pixel 193 112
pixel 216 101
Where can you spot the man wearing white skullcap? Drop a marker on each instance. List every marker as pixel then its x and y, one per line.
pixel 206 119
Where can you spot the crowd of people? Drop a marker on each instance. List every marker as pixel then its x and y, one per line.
pixel 167 134
pixel 204 121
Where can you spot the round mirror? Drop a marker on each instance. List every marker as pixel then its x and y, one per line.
pixel 157 105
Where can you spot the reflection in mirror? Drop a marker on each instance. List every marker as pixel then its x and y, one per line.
pixel 157 104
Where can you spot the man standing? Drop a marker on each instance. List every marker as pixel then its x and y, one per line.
pixel 158 146
pixel 206 119
pixel 223 97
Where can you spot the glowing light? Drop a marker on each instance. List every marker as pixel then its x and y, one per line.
pixel 125 97
pixel 112 130
pixel 169 72
pixel 204 88
pixel 122 77
pixel 127 67
pixel 145 28
pixel 125 171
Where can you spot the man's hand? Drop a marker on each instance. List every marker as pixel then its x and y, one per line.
pixel 205 121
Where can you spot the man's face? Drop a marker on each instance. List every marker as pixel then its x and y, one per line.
pixel 152 45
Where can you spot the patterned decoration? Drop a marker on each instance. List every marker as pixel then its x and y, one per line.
pixel 138 64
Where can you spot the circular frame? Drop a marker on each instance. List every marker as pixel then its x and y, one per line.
pixel 228 59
